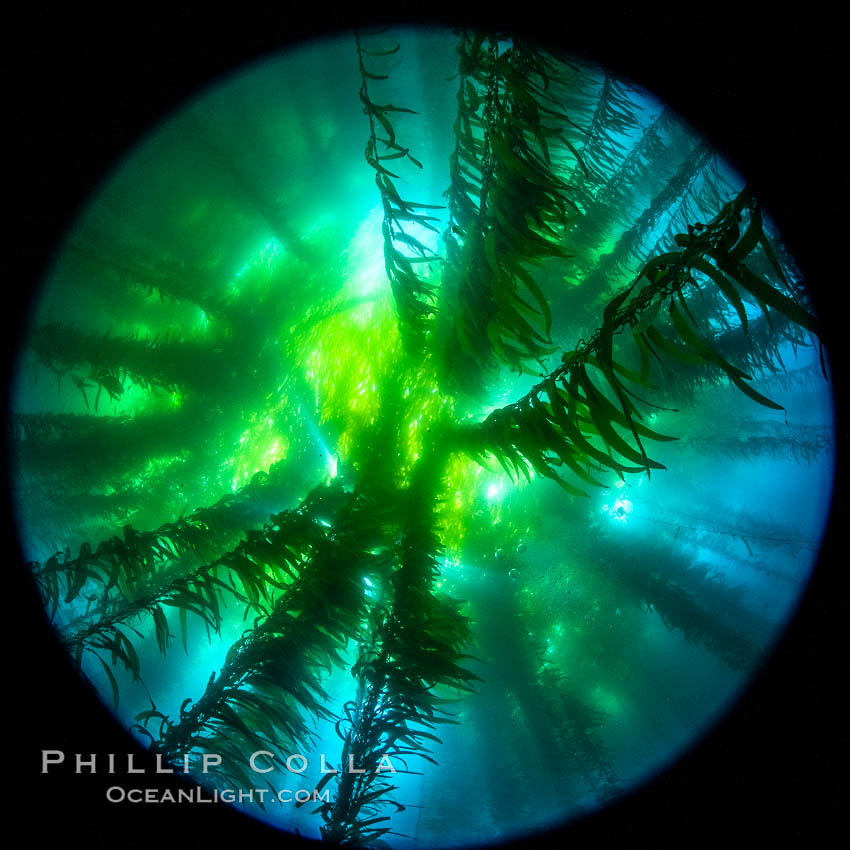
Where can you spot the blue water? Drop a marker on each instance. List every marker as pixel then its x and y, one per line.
pixel 655 600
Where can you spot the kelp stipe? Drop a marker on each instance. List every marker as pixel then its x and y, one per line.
pixel 372 523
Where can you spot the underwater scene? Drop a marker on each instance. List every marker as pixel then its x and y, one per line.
pixel 424 433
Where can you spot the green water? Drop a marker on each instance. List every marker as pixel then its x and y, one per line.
pixel 218 358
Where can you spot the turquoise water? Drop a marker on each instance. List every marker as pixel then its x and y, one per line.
pixel 230 277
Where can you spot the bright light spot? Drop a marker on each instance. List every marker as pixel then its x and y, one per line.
pixel 365 255
pixel 493 492
pixel 620 510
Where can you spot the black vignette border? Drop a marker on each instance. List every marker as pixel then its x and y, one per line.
pixel 763 87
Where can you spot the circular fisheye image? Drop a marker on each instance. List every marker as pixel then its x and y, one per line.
pixel 420 439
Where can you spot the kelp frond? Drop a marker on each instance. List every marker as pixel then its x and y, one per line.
pixel 508 210
pixel 271 675
pixel 592 395
pixel 559 190
pixel 403 252
pixel 415 645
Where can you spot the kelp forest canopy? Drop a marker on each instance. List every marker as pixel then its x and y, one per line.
pixel 411 391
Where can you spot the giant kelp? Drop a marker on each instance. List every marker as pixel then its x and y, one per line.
pixel 572 210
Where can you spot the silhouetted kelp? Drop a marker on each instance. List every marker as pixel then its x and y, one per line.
pixel 568 212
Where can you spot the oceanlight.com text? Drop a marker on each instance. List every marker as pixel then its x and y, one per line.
pixel 243 796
